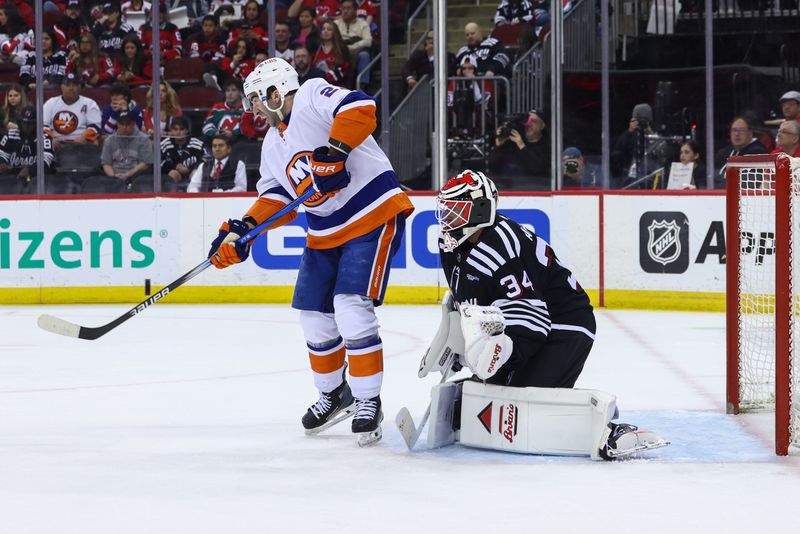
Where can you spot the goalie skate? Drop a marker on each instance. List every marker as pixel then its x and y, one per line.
pixel 626 440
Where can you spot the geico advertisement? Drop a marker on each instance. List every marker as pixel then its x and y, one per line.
pixel 275 255
pixel 87 242
pixel 669 243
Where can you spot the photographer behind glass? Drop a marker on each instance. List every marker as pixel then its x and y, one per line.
pixel 577 173
pixel 521 158
pixel 629 159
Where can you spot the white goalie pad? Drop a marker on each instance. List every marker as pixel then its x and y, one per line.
pixel 440 428
pixel 447 344
pixel 557 421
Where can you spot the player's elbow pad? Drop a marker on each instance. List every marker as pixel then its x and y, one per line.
pixel 264 208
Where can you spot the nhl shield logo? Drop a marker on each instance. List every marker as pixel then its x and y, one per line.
pixel 663 244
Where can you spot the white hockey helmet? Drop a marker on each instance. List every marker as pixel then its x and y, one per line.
pixel 466 203
pixel 273 72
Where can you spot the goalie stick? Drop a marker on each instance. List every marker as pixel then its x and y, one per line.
pixel 66 328
pixel 404 421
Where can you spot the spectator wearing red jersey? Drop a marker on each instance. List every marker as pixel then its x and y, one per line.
pixel 788 139
pixel 209 44
pixel 367 12
pixel 241 62
pixel 324 9
pixel 252 126
pixel 332 55
pixel 131 66
pixel 170 40
pixel 250 27
pixel 93 67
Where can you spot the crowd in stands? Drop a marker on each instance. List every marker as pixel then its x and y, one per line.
pixel 98 65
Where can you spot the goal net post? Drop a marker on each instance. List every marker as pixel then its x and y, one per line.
pixel 763 291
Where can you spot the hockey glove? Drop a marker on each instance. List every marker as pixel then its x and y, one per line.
pixel 487 346
pixel 328 171
pixel 224 252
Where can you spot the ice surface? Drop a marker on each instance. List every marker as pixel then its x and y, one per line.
pixel 186 420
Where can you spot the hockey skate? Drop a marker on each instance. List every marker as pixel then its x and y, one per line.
pixel 624 440
pixel 330 409
pixel 367 421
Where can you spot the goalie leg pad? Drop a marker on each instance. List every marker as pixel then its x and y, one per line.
pixel 440 429
pixel 447 344
pixel 557 421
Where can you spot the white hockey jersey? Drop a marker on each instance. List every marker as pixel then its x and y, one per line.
pixel 67 122
pixel 373 195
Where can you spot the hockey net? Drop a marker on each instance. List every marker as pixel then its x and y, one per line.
pixel 763 291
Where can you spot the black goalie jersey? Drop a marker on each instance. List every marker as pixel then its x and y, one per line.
pixel 512 268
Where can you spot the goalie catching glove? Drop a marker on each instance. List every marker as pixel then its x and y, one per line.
pixel 487 346
pixel 224 251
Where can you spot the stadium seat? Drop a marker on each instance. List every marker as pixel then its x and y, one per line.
pixel 57 185
pixel 51 18
pixel 142 184
pixel 101 95
pixel 509 34
pixel 198 98
pixel 9 73
pixel 103 184
pixel 139 95
pixel 10 185
pixel 77 160
pixel 180 72
pixel 281 15
pixel 49 92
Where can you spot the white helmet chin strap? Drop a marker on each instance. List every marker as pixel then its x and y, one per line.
pixel 277 110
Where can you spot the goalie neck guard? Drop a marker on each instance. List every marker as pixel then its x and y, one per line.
pixel 466 203
pixel 273 72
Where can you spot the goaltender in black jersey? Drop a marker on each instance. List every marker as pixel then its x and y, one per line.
pixel 523 325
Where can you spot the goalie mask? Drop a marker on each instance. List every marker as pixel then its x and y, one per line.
pixel 270 73
pixel 465 204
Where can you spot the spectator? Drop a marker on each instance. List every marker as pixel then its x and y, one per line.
pixel 87 62
pixel 522 12
pixel 54 64
pixel 223 118
pixel 15 101
pixel 421 63
pixel 307 34
pixel 690 155
pixel 221 174
pixel 250 27
pixel 71 27
pixel 367 12
pixel 238 65
pixel 110 31
pixel 302 64
pixel 25 11
pixel 18 150
pixel 135 5
pixel 170 109
pixel 357 36
pixel 253 126
pixel 283 41
pixel 788 139
pixel 169 37
pixel 629 158
pixel 324 9
pixel 131 66
pixel 120 101
pixel 576 171
pixel 790 107
pixel 332 55
pixel 468 100
pixel 522 152
pixel 196 10
pixel 127 153
pixel 208 44
pixel 488 55
pixel 16 40
pixel 741 143
pixel 180 153
pixel 72 118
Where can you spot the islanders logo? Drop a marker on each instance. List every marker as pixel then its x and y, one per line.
pixel 299 173
pixel 65 122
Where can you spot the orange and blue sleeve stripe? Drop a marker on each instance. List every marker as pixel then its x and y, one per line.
pixel 354 120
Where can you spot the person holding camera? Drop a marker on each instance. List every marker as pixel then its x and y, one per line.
pixel 629 159
pixel 577 173
pixel 521 157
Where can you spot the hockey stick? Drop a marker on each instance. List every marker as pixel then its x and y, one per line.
pixel 66 328
pixel 404 421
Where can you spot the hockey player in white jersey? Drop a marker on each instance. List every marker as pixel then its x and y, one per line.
pixel 521 322
pixel 320 136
